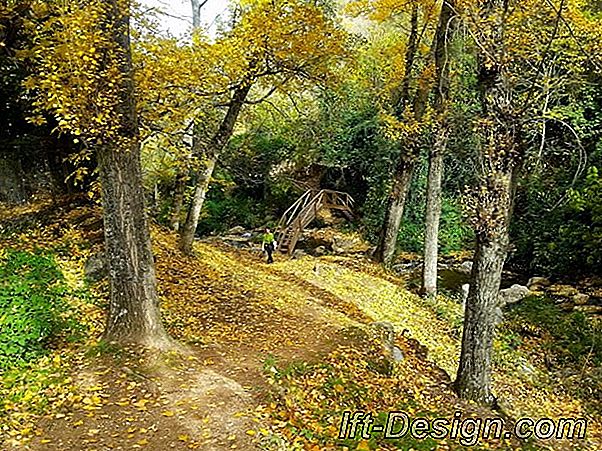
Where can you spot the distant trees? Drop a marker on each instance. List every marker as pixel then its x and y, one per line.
pixel 272 49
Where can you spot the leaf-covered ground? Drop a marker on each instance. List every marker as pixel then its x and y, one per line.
pixel 272 355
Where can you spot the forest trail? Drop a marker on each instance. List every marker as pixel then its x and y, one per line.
pixel 265 347
pixel 231 311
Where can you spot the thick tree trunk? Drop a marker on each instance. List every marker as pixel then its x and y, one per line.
pixel 473 381
pixel 385 252
pixel 218 142
pixel 134 315
pixel 443 37
pixel 433 214
pixel 500 155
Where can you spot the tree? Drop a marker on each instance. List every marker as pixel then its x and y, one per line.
pixel 85 79
pixel 405 106
pixel 443 38
pixel 275 49
pixel 507 36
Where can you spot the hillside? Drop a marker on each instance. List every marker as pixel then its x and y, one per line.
pixel 269 356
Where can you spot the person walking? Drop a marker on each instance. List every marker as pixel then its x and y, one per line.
pixel 268 244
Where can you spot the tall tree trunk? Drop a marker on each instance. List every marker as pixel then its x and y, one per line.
pixel 134 315
pixel 433 214
pixel 500 155
pixel 402 178
pixel 385 252
pixel 217 144
pixel 443 37
pixel 178 200
pixel 473 381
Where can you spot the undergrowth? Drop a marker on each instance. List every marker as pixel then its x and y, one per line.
pixel 35 313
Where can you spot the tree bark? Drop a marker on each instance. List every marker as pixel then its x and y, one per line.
pixel 385 252
pixel 500 155
pixel 178 201
pixel 402 178
pixel 443 37
pixel 217 144
pixel 433 215
pixel 134 315
pixel 473 381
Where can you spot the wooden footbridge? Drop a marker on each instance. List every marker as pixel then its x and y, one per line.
pixel 305 210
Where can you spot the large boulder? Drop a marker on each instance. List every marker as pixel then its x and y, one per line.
pixel 298 253
pixel 238 230
pixel 581 299
pixel 320 251
pixel 512 295
pixel 348 244
pixel 563 291
pixel 237 241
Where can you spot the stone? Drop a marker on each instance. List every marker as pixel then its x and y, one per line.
pixel 580 299
pixel 465 290
pixel 526 368
pixel 238 230
pixel 386 332
pixel 512 295
pixel 348 245
pixel 498 316
pixel 465 268
pixel 320 251
pixel 405 268
pixel 96 267
pixel 298 253
pixel 535 283
pixel 396 354
pixel 566 291
pixel 236 241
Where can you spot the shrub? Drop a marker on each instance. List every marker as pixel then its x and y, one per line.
pixel 32 306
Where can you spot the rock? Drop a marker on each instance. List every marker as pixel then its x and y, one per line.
pixel 236 241
pixel 581 299
pixel 396 354
pixel 566 291
pixel 465 290
pixel 348 245
pixel 536 283
pixel 320 251
pixel 238 230
pixel 298 253
pixel 506 296
pixel 512 295
pixel 386 332
pixel 405 268
pixel 96 267
pixel 525 368
pixel 465 268
pixel 498 316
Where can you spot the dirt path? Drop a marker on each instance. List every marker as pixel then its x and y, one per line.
pixel 233 313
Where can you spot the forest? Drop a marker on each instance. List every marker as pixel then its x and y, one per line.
pixel 301 225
